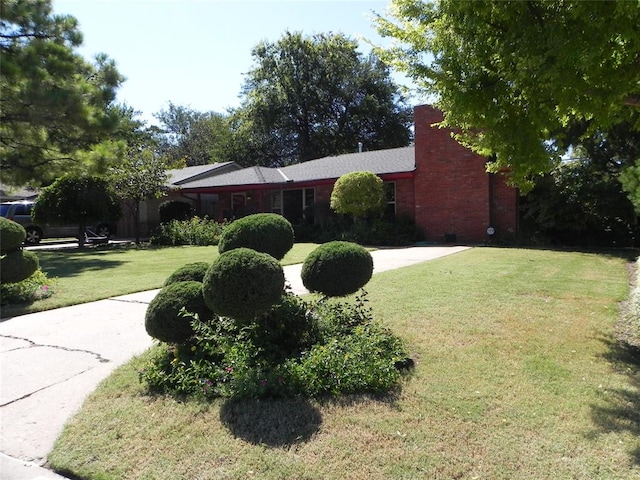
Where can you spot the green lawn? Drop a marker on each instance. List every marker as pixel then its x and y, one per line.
pixel 517 376
pixel 86 275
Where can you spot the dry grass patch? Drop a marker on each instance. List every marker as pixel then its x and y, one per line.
pixel 517 376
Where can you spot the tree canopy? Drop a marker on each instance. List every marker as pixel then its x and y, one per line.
pixel 193 137
pixel 308 97
pixel 54 104
pixel 514 77
pixel 358 194
pixel 77 199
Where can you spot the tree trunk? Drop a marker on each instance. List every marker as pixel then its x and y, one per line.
pixel 136 223
pixel 81 232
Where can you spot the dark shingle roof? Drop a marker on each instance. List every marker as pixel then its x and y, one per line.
pixel 187 174
pixel 391 160
pixel 380 162
pixel 246 176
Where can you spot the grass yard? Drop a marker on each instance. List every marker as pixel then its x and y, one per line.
pixel 517 376
pixel 86 275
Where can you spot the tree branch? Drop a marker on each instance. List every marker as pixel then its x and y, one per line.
pixel 632 101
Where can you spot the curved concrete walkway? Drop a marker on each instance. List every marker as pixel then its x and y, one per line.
pixel 51 361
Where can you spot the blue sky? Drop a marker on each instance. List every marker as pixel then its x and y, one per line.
pixel 195 52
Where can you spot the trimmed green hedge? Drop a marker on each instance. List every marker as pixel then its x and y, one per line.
pixel 243 283
pixel 263 232
pixel 12 234
pixel 163 320
pixel 18 265
pixel 193 272
pixel 337 269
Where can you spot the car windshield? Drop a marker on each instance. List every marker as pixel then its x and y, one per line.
pixel 4 209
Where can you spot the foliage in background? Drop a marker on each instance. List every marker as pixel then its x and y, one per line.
pixel 174 210
pixel 192 137
pixel 140 174
pixel 54 104
pixel 514 77
pixel 307 97
pixel 399 231
pixel 581 203
pixel 77 199
pixel 196 231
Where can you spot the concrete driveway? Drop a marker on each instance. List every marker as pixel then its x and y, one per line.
pixel 51 361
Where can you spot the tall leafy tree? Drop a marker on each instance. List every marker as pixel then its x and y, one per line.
pixel 514 76
pixel 590 197
pixel 78 199
pixel 308 97
pixel 193 137
pixel 53 104
pixel 140 172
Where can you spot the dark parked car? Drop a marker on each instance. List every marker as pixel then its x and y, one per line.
pixel 20 212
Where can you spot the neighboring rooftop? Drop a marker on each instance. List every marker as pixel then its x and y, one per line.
pixel 181 175
pixel 380 162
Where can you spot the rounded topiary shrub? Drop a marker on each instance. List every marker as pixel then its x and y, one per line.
pixel 243 283
pixel 336 269
pixel 17 266
pixel 163 320
pixel 174 210
pixel 263 232
pixel 12 234
pixel 193 272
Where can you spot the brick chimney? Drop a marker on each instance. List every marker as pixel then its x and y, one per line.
pixel 456 200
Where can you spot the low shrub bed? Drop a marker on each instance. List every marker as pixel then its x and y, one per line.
pixel 249 337
pixel 299 348
pixel 195 231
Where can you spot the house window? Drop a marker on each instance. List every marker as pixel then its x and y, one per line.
pixel 390 194
pixel 208 205
pixel 276 202
pixel 295 205
pixel 308 211
pixel 238 203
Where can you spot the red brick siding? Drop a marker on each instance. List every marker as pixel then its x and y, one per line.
pixel 452 188
pixel 405 197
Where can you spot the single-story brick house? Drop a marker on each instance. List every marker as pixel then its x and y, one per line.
pixel 438 183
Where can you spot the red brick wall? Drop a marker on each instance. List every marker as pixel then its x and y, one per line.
pixel 452 188
pixel 405 197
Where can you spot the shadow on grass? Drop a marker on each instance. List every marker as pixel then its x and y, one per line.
pixel 271 422
pixel 71 263
pixel 620 409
